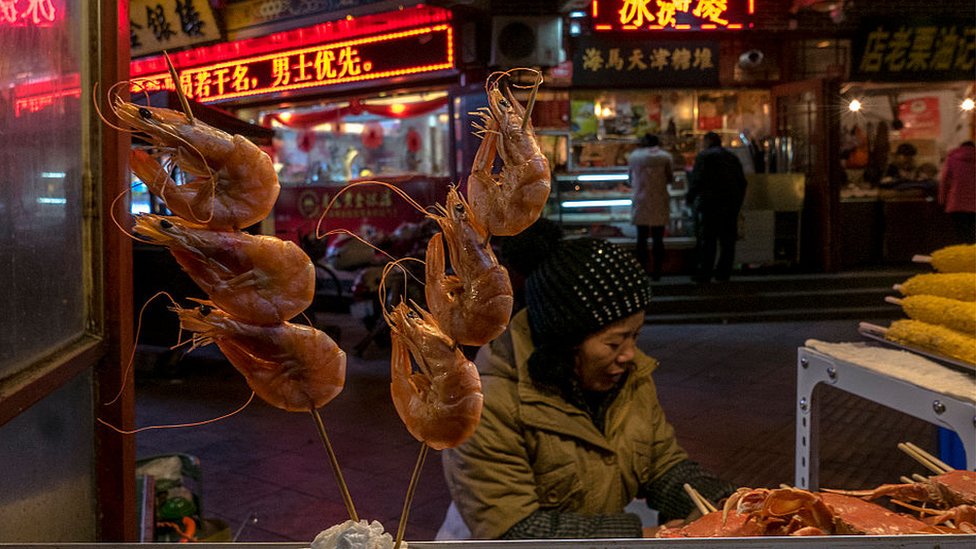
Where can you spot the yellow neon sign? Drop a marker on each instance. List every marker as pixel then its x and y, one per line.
pixel 383 56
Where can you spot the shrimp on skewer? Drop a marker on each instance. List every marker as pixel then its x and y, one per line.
pixel 508 202
pixel 258 279
pixel 231 182
pixel 472 306
pixel 290 366
pixel 441 404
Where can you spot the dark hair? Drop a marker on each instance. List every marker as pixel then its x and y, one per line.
pixel 649 140
pixel 713 139
pixel 906 149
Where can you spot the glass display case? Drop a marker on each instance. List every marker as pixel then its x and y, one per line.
pixel 590 193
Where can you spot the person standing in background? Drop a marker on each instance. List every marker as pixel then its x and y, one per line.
pixel 651 170
pixel 716 189
pixel 957 190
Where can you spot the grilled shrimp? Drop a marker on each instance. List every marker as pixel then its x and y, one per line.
pixel 472 306
pixel 441 404
pixel 290 366
pixel 508 202
pixel 258 279
pixel 231 182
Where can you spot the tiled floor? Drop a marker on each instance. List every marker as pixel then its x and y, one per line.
pixel 728 390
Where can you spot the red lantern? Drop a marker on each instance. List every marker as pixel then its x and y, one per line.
pixel 372 135
pixel 413 140
pixel 306 140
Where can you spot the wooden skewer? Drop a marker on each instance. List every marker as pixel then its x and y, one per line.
pixel 893 299
pixel 897 288
pixel 179 89
pixel 921 258
pixel 918 478
pixel 927 460
pixel 704 506
pixel 343 489
pixel 411 489
pixel 906 480
pixel 938 462
pixel 874 328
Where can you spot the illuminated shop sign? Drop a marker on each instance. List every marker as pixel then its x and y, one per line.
pixel 917 51
pixel 29 13
pixel 155 25
pixel 402 53
pixel 30 97
pixel 641 15
pixel 641 64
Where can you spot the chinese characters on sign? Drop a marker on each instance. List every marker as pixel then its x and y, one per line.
pixel 641 64
pixel 671 14
pixel 36 13
pixel 155 25
pixel 896 51
pixel 355 203
pixel 368 58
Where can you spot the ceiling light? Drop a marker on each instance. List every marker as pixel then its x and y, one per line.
pixel 854 105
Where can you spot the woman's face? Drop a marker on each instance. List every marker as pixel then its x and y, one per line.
pixel 602 358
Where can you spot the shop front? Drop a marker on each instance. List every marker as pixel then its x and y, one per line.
pixel 678 76
pixel 350 101
pixel 907 105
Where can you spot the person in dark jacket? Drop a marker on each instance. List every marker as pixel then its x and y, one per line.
pixel 716 189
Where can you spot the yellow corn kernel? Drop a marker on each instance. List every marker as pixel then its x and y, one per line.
pixel 936 339
pixel 951 313
pixel 961 286
pixel 960 258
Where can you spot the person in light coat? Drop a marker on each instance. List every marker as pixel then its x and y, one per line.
pixel 572 430
pixel 651 171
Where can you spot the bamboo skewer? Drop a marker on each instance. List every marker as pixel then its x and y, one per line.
pixel 929 461
pixel 179 89
pixel 892 299
pixel 704 506
pixel 938 462
pixel 918 258
pixel 343 489
pixel 411 489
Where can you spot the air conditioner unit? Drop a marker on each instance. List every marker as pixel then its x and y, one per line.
pixel 518 41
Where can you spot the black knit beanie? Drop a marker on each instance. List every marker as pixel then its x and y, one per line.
pixel 582 286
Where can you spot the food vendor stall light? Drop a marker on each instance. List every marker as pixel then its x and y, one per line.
pixel 968 104
pixel 603 177
pixel 854 105
pixel 398 108
pixel 352 127
pixel 596 203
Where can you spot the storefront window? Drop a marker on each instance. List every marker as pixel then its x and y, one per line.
pixel 373 138
pixel 40 181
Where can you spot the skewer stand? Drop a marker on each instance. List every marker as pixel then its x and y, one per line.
pixel 916 398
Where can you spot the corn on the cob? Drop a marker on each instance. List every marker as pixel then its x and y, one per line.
pixel 951 313
pixel 960 258
pixel 961 286
pixel 930 337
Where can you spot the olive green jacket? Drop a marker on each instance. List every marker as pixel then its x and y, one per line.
pixel 533 450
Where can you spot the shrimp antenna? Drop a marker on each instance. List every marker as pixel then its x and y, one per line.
pixel 98 111
pixel 132 357
pixel 343 488
pixel 177 425
pixel 403 194
pixel 386 272
pixel 179 89
pixel 115 221
pixel 359 238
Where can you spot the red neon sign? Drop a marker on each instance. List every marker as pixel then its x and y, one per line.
pixel 369 58
pixel 23 13
pixel 642 15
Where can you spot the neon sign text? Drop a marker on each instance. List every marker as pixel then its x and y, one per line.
pixel 382 56
pixel 39 13
pixel 672 14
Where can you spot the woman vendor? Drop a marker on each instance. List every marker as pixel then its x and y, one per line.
pixel 572 430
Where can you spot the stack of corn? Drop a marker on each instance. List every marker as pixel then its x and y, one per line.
pixel 941 305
